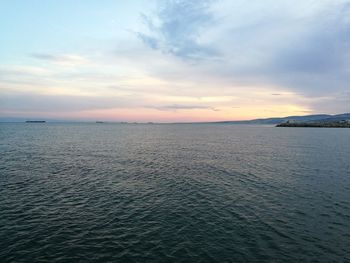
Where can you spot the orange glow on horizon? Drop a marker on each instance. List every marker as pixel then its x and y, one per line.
pixel 181 115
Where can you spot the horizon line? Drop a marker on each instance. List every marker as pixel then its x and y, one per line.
pixel 48 120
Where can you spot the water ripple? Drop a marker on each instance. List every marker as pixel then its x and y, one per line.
pixel 173 193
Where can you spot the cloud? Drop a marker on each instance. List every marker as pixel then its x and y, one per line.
pixel 149 41
pixel 316 60
pixel 175 107
pixel 176 27
pixel 63 59
pixel 284 56
pixel 12 70
pixel 302 47
pixel 64 104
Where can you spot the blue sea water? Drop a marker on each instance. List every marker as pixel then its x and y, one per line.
pixel 173 193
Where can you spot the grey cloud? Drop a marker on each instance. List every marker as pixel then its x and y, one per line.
pixel 306 53
pixel 318 62
pixel 174 107
pixel 179 28
pixel 47 103
pixel 149 41
pixel 310 55
pixel 323 49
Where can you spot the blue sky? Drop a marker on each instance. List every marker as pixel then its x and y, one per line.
pixel 173 60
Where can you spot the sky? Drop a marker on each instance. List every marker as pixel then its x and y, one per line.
pixel 170 61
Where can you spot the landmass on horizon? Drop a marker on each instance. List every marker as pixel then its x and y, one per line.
pixel 322 120
pixel 317 124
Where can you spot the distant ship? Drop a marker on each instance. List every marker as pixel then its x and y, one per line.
pixel 35 121
pixel 99 122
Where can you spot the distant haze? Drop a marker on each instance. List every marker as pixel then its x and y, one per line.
pixel 179 60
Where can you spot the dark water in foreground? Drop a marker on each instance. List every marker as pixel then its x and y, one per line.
pixel 173 193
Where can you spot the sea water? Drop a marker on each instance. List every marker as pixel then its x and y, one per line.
pixel 173 193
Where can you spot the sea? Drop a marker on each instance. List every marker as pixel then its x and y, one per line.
pixel 104 192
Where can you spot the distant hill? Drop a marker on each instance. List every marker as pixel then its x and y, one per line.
pixel 338 117
pixel 307 118
pixel 267 121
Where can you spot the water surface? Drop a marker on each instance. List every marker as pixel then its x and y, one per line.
pixel 173 193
